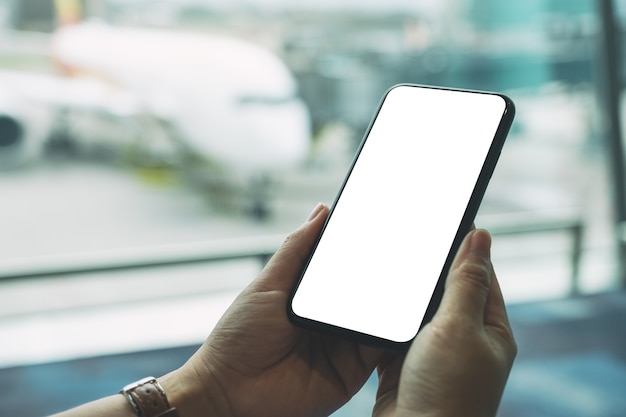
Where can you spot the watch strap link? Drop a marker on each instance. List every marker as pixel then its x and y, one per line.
pixel 169 413
pixel 148 399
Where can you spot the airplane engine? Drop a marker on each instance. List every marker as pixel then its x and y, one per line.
pixel 23 129
pixel 14 149
pixel 11 132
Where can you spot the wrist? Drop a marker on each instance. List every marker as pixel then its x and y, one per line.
pixel 189 394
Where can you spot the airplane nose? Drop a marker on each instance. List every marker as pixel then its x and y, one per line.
pixel 11 131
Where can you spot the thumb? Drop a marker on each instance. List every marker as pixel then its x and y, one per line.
pixel 469 281
pixel 284 267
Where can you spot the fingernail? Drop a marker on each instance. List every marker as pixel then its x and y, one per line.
pixel 315 212
pixel 480 244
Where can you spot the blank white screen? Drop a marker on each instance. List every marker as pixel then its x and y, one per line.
pixel 384 247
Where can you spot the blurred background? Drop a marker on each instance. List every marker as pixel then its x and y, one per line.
pixel 154 154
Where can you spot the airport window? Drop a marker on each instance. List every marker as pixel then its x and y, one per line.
pixel 153 155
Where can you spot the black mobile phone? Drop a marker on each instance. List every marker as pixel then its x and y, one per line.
pixel 377 271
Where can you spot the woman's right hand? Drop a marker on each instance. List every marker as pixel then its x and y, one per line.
pixel 459 362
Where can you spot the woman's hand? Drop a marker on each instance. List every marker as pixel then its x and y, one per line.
pixel 459 363
pixel 256 363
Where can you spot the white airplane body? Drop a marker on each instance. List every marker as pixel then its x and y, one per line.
pixel 231 102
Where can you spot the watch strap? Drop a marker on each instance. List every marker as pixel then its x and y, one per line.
pixel 148 399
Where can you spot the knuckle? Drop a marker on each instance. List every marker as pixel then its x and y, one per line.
pixel 475 274
pixel 506 340
pixel 291 245
pixel 511 344
pixel 513 349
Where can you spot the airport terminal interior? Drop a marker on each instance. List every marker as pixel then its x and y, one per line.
pixel 155 154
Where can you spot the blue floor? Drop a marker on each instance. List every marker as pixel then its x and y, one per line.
pixel 571 362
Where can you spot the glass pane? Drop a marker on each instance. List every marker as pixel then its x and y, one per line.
pixel 181 131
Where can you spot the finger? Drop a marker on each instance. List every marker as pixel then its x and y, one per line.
pixel 495 311
pixel 283 269
pixel 389 370
pixel 469 281
pixel 497 319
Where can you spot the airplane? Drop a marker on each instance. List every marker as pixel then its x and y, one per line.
pixel 231 104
